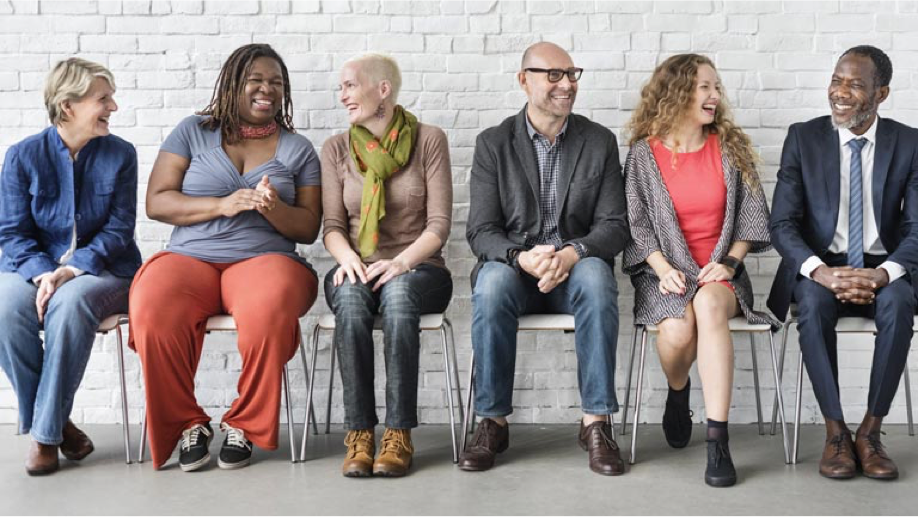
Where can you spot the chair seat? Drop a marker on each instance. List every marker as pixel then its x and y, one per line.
pixel 737 324
pixel 221 323
pixel 547 322
pixel 428 322
pixel 112 322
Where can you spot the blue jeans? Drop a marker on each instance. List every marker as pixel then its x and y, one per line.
pixel 401 301
pixel 46 378
pixel 502 295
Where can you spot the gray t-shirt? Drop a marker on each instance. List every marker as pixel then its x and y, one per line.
pixel 212 173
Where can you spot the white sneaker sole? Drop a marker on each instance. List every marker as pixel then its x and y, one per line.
pixel 230 466
pixel 196 465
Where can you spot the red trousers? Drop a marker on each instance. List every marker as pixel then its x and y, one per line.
pixel 171 298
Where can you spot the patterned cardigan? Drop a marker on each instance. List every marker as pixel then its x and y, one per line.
pixel 654 227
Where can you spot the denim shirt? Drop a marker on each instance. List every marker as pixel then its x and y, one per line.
pixel 43 193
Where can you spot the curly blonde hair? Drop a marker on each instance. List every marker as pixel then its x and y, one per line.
pixel 665 100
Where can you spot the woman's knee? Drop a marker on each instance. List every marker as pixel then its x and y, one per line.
pixel 677 334
pixel 714 304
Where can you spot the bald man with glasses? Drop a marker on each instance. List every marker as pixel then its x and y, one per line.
pixel 547 218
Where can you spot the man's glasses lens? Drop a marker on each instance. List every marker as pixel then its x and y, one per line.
pixel 556 74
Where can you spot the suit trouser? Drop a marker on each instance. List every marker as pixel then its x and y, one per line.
pixel 819 310
pixel 171 299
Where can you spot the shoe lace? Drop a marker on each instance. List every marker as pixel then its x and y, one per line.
pixel 838 442
pixel 483 434
pixel 360 440
pixel 605 436
pixel 191 436
pixel 720 452
pixel 396 440
pixel 235 437
pixel 876 447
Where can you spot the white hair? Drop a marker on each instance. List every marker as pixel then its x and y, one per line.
pixel 380 67
pixel 70 80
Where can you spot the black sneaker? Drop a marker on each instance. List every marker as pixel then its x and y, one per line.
pixel 236 451
pixel 677 417
pixel 195 442
pixel 720 470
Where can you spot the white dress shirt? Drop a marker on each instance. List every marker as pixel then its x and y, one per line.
pixel 872 243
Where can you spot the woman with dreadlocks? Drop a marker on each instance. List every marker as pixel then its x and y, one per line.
pixel 389 193
pixel 696 209
pixel 241 189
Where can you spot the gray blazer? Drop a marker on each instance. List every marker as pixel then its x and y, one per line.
pixel 504 191
pixel 655 227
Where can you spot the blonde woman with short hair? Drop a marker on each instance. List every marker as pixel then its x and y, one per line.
pixel 68 197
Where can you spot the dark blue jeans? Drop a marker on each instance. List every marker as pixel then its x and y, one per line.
pixel 401 301
pixel 502 295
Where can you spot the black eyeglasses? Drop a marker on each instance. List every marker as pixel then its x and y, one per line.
pixel 555 74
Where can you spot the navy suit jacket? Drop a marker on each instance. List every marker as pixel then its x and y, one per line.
pixel 804 211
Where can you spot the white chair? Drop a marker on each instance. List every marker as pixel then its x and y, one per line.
pixel 436 321
pixel 535 322
pixel 114 322
pixel 737 325
pixel 226 323
pixel 846 325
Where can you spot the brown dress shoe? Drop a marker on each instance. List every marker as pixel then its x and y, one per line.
pixel 395 457
pixel 361 446
pixel 490 439
pixel 605 458
pixel 76 444
pixel 42 459
pixel 838 460
pixel 875 463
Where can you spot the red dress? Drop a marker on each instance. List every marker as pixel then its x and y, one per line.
pixel 699 195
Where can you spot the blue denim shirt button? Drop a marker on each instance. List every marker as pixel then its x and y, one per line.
pixel 78 217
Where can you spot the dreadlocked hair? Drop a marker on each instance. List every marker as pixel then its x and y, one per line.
pixel 223 110
pixel 665 100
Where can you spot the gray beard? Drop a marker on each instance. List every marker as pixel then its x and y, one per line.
pixel 858 119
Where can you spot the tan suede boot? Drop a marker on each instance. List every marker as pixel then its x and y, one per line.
pixel 395 457
pixel 361 447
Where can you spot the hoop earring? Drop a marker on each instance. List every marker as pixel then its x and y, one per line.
pixel 380 111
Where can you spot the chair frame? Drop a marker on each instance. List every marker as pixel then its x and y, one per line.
pixel 845 325
pixel 737 325
pixel 527 322
pixel 435 321
pixel 226 323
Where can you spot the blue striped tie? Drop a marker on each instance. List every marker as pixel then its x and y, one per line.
pixel 856 206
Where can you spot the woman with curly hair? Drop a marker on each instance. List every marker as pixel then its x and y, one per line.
pixel 241 189
pixel 696 209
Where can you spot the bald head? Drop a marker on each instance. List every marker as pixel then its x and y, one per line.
pixel 543 52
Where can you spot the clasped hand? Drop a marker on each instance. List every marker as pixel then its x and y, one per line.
pixel 49 285
pixel 673 281
pixel 852 285
pixel 354 269
pixel 549 266
pixel 262 198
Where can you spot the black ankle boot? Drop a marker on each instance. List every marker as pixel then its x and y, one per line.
pixel 720 470
pixel 677 417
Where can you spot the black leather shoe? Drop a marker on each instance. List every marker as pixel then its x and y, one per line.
pixel 720 471
pixel 677 417
pixel 490 438
pixel 605 457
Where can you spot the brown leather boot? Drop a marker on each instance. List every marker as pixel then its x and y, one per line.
pixel 76 444
pixel 42 459
pixel 838 460
pixel 361 447
pixel 605 457
pixel 490 438
pixel 870 452
pixel 395 457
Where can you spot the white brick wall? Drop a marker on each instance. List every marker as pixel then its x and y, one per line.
pixel 458 59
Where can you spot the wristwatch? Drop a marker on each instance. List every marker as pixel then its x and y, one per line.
pixel 733 263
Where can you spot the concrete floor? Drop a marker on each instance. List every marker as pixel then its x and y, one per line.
pixel 543 472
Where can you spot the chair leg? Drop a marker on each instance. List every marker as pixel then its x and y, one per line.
pixel 312 411
pixel 469 414
pixel 309 390
pixel 634 334
pixel 455 362
pixel 290 429
pixel 908 403
pixel 637 396
pixel 143 435
pixel 447 369
pixel 755 382
pixel 774 407
pixel 331 386
pixel 779 395
pixel 799 402
pixel 125 425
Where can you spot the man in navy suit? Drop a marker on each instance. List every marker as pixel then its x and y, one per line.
pixel 845 221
